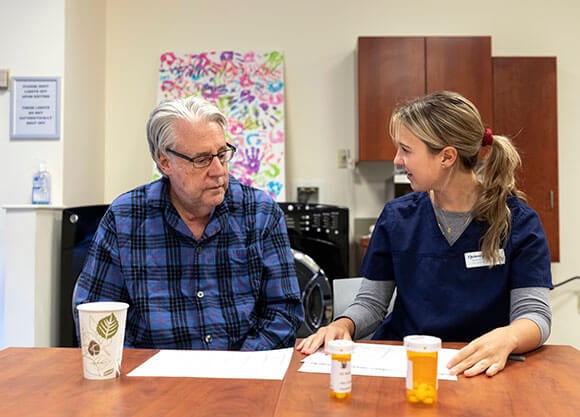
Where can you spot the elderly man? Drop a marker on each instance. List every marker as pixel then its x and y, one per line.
pixel 203 260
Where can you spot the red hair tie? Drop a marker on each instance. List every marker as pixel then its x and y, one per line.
pixel 487 137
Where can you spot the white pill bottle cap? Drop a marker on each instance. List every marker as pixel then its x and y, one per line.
pixel 340 346
pixel 422 343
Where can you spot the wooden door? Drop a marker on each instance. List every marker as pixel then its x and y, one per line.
pixel 525 109
pixel 463 65
pixel 390 70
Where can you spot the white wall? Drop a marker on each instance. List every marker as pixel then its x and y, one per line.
pixel 318 38
pixel 31 44
pixel 66 40
pixel 84 96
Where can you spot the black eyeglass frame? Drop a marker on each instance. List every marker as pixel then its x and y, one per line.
pixel 209 157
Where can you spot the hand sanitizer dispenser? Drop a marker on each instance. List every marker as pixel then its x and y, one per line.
pixel 41 185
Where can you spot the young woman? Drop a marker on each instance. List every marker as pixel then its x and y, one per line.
pixel 468 257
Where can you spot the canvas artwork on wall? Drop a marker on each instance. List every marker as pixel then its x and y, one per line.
pixel 249 88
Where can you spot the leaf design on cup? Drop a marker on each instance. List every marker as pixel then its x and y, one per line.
pixel 107 327
pixel 94 348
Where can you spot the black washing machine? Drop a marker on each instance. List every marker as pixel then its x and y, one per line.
pixel 319 237
pixel 316 294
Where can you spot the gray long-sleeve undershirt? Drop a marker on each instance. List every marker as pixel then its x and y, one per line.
pixel 373 300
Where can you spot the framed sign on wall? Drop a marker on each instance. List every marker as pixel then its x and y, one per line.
pixel 35 108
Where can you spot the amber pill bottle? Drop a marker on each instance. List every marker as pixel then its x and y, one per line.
pixel 421 382
pixel 340 368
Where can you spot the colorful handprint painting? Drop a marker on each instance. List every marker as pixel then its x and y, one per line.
pixel 249 88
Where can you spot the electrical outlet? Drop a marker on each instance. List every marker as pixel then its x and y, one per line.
pixel 342 158
pixel 307 195
pixel 4 78
pixel 313 188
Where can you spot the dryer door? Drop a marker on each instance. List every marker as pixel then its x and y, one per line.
pixel 316 294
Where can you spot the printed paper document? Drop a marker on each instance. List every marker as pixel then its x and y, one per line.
pixel 376 360
pixel 270 364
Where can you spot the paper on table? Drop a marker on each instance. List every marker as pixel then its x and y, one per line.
pixel 376 360
pixel 270 364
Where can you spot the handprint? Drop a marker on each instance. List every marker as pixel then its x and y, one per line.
pixel 254 159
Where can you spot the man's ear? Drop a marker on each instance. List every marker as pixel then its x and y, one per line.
pixel 164 165
pixel 448 156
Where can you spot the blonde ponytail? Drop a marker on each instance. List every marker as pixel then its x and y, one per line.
pixel 496 179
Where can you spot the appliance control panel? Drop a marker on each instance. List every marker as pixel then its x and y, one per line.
pixel 316 218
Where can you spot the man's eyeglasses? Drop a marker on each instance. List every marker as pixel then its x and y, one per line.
pixel 204 160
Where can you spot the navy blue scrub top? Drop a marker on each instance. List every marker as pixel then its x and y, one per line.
pixel 437 293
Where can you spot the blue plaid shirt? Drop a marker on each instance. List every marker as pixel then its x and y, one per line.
pixel 234 289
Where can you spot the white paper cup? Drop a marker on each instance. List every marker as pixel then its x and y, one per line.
pixel 102 330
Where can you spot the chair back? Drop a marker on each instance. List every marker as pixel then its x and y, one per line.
pixel 344 291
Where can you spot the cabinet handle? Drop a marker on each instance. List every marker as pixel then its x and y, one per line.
pixel 552 199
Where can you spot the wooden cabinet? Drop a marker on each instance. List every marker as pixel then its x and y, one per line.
pixel 525 109
pixel 515 96
pixel 364 244
pixel 463 65
pixel 392 70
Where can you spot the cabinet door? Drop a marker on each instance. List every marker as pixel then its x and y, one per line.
pixel 394 69
pixel 463 65
pixel 525 109
pixel 390 70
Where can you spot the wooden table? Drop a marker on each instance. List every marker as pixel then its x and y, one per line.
pixel 49 382
pixel 546 384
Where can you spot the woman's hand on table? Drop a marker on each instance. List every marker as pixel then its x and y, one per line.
pixel 488 353
pixel 342 328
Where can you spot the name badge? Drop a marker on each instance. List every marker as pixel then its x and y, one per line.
pixel 475 259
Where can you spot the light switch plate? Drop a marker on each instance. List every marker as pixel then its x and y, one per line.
pixel 4 78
